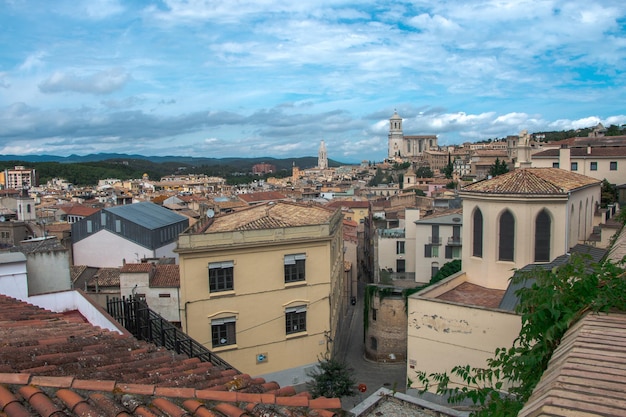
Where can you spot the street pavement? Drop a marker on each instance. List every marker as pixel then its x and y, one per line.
pixel 350 350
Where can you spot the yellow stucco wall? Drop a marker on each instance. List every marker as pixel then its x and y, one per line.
pixel 260 295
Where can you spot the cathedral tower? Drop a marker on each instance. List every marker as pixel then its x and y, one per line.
pixel 322 157
pixel 395 136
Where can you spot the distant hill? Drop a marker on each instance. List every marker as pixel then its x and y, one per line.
pixel 88 169
pixel 245 163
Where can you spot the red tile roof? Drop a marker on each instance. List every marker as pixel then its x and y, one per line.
pixel 78 210
pixel 54 365
pixel 106 277
pixel 532 181
pixel 166 276
pixel 472 294
pixel 262 197
pixel 594 152
pixel 270 216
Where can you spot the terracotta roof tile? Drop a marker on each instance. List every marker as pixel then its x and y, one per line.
pixel 586 374
pixel 472 294
pixel 262 196
pixel 166 276
pixel 101 373
pixel 270 216
pixel 136 267
pixel 106 277
pixel 532 181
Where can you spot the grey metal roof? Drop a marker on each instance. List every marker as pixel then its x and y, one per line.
pixel 510 300
pixel 146 214
pixel 12 257
pixel 448 219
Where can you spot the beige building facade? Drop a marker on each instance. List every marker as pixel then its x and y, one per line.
pixel 262 287
pixel 527 216
pixel 523 217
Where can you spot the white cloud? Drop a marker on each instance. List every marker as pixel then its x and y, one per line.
pixel 103 82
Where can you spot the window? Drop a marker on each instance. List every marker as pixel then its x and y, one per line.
pixel 434 268
pixel 613 165
pixel 431 251
pixel 400 247
pixel 373 343
pixel 295 267
pixel 507 237
pixel 295 319
pixel 477 237
pixel 542 237
pixel 574 166
pixel 103 218
pixel 28 205
pixel 164 295
pixel 593 166
pixel 374 314
pixel 221 276
pixel 223 332
pixel 400 265
pixel 89 226
pixel 453 252
pixel 555 164
pixel 118 226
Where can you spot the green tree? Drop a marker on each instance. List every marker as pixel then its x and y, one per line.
pixel 424 172
pixel 608 193
pixel 498 168
pixel 331 379
pixel 550 303
pixel 446 270
pixel 449 169
pixel 377 178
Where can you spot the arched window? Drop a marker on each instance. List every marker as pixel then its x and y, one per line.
pixel 477 237
pixel 507 237
pixel 542 236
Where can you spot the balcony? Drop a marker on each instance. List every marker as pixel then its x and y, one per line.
pixel 454 241
pixel 434 240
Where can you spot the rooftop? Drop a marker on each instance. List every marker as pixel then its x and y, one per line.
pixel 146 214
pixel 472 294
pixel 586 374
pixel 532 181
pixel 55 363
pixel 271 216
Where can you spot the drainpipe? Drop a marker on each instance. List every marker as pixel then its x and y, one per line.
pixel 567 220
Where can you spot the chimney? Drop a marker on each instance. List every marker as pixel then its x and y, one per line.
pixel 564 158
pixel 588 149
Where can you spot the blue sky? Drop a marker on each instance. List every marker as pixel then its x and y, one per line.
pixel 272 78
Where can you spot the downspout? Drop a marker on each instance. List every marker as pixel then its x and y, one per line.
pixel 567 221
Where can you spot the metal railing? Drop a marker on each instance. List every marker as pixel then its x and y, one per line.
pixel 134 314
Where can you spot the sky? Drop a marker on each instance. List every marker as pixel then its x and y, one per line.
pixel 273 78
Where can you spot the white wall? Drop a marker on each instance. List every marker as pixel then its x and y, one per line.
pixel 167 307
pixel 13 275
pixel 48 271
pixel 108 250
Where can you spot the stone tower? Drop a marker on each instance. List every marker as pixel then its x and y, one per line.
pixel 322 157
pixel 396 137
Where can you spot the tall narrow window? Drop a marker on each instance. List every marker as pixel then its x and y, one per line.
pixel 507 237
pixel 295 320
pixel 223 332
pixel 477 241
pixel 400 247
pixel 542 237
pixel 295 267
pixel 221 276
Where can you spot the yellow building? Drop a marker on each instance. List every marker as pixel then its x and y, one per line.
pixel 262 287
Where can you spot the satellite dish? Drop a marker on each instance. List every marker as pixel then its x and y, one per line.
pixel 2 219
pixel 210 213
